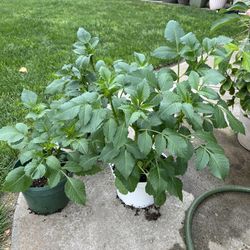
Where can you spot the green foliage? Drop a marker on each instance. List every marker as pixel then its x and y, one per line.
pixel 126 115
pixel 233 60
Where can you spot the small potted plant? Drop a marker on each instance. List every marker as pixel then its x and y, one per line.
pixel 234 64
pixel 45 167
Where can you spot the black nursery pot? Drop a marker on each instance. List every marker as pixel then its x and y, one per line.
pixel 46 200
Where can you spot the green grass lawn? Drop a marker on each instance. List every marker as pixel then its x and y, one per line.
pixel 38 35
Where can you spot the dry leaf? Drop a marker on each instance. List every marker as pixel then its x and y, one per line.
pixel 7 232
pixel 23 70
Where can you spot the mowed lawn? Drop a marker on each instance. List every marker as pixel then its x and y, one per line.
pixel 38 35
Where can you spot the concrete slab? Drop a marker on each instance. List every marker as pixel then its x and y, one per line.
pixel 104 223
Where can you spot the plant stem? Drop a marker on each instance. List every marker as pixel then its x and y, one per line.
pixel 113 110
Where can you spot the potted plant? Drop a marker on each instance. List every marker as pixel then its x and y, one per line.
pixel 234 64
pixel 198 3
pixel 44 170
pixel 217 4
pixel 163 114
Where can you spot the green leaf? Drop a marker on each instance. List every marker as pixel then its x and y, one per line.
pixel 160 144
pixel 165 52
pixel 109 153
pixel 53 177
pixel 140 58
pixel 194 79
pixel 174 187
pixel 21 127
pixel 212 76
pixel 29 98
pixel 105 73
pixel 234 123
pixel 246 61
pixel 56 86
pixel 85 114
pixel 121 136
pixel 83 35
pixel 17 181
pixel 75 190
pixel 72 167
pixel 165 80
pixel 167 109
pixel 177 145
pixel 35 170
pixel 202 158
pixel 173 32
pixel 226 20
pixel 188 110
pixel 68 111
pixel 53 162
pixel 88 161
pixel 219 165
pixel 125 163
pixel 109 129
pixel 119 185
pixel 144 143
pixel 219 118
pixel 10 134
pixel 81 145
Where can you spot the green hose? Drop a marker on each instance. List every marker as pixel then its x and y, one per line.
pixel 198 201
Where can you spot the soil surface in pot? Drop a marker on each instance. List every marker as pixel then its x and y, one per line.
pixel 39 182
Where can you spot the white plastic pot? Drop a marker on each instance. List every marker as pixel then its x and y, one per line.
pixel 217 4
pixel 139 198
pixel 244 140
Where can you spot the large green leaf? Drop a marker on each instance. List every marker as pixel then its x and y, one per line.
pixel 226 20
pixel 165 52
pixel 219 165
pixel 109 129
pixel 10 134
pixel 145 142
pixel 29 98
pixel 35 170
pixel 17 181
pixel 219 118
pixel 53 162
pixel 81 145
pixel 53 177
pixel 234 123
pixel 88 161
pixel 160 144
pixel 55 86
pixel 173 32
pixel 174 187
pixel 194 79
pixel 167 109
pixel 85 114
pixel 246 61
pixel 212 76
pixel 177 145
pixel 165 80
pixel 124 163
pixel 202 158
pixel 75 190
pixel 121 136
pixel 83 35
pixel 109 153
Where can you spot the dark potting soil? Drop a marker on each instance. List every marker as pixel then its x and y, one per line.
pixel 39 182
pixel 151 213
